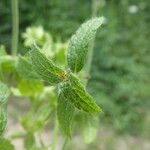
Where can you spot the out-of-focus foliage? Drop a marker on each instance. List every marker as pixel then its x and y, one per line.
pixel 120 74
pixel 6 145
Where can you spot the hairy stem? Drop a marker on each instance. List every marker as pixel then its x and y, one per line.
pixel 15 27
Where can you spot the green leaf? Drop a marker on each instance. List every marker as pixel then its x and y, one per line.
pixel 3 118
pixel 4 93
pixel 90 127
pixel 79 42
pixel 6 145
pixel 30 87
pixel 25 70
pixel 65 112
pixel 74 91
pixel 45 68
pixel 29 142
pixel 7 64
pixel 35 120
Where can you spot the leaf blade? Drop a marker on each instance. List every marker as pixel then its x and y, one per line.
pixel 65 112
pixel 25 70
pixel 75 92
pixel 45 68
pixel 4 94
pixel 79 42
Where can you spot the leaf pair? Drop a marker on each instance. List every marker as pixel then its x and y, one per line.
pixel 72 93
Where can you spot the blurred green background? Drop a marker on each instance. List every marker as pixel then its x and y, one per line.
pixel 120 75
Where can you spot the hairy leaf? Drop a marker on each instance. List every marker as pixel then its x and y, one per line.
pixel 65 112
pixel 79 42
pixel 45 68
pixel 25 70
pixel 4 93
pixel 6 145
pixel 75 92
pixel 3 118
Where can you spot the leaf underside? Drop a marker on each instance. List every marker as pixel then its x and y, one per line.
pixel 45 68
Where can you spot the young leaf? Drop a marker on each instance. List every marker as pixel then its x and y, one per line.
pixel 6 145
pixel 4 93
pixel 65 112
pixel 79 97
pixel 45 68
pixel 25 70
pixel 79 42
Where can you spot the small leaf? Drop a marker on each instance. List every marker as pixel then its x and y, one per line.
pixel 7 64
pixel 6 145
pixel 3 118
pixel 25 70
pixel 29 142
pixel 65 112
pixel 4 93
pixel 45 68
pixel 75 92
pixel 79 42
pixel 30 87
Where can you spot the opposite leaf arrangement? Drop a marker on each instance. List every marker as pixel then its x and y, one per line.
pixel 71 93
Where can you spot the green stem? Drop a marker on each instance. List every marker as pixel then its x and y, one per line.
pixel 65 143
pixel 15 26
pixel 55 135
pixel 95 6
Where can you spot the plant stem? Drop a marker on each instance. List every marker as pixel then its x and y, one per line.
pixel 15 27
pixel 55 135
pixel 65 143
pixel 95 7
